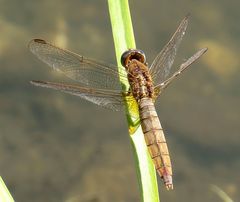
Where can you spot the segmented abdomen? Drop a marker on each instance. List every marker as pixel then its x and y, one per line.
pixel 155 140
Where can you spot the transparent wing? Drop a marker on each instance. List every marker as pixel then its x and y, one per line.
pixel 89 72
pixel 160 68
pixel 158 88
pixel 106 98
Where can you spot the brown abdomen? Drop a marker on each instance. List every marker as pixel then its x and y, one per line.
pixel 155 140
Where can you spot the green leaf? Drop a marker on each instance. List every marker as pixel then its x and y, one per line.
pixel 5 196
pixel 124 40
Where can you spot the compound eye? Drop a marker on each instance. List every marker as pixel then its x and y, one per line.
pixel 131 54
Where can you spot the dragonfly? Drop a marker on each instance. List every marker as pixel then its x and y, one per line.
pixel 98 82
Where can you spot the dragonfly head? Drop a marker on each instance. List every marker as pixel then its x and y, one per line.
pixel 131 54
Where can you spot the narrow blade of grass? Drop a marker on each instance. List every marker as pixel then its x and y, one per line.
pixel 221 193
pixel 5 195
pixel 123 40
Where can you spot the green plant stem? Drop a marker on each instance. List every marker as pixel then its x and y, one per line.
pixel 123 40
pixel 223 195
pixel 5 196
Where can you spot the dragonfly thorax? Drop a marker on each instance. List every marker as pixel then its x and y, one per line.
pixel 140 80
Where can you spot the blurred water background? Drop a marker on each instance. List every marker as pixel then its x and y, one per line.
pixel 56 147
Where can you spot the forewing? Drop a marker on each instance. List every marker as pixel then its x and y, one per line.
pixel 109 99
pixel 160 68
pixel 184 66
pixel 89 72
